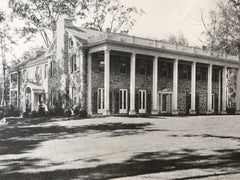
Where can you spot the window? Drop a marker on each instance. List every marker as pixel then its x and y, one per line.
pixel 14 78
pixel 202 73
pixel 24 75
pixel 141 67
pixel 38 73
pixel 185 72
pixel 71 43
pixel 73 63
pixel 45 70
pixel 215 75
pixel 165 70
pixel 51 69
pixel 123 66
pixel 101 66
pixel 74 98
pixel 14 98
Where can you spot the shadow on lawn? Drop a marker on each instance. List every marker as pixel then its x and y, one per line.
pixel 16 139
pixel 146 163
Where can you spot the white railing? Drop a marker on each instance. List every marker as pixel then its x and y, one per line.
pixel 160 44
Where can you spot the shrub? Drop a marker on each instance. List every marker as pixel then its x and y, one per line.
pixel 58 111
pixel 67 112
pixel 25 115
pixel 82 113
pixel 76 110
pixel 34 114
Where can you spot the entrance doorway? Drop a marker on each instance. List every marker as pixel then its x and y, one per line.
pixel 123 101
pixel 100 100
pixel 165 102
pixel 142 101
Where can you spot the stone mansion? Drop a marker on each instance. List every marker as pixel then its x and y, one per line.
pixel 109 73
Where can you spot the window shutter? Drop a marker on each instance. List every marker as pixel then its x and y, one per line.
pixel 116 92
pixel 71 64
pixel 137 101
pixel 170 71
pixel 110 101
pixel 94 103
pixel 149 103
pixel 189 72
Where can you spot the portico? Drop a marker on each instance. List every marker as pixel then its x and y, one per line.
pixel 132 98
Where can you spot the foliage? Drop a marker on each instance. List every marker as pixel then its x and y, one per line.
pixel 178 40
pixel 222 29
pixel 67 112
pixel 40 16
pixel 110 15
pixel 82 114
pixel 9 111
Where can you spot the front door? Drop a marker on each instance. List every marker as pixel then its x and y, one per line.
pixel 165 105
pixel 142 101
pixel 100 100
pixel 123 101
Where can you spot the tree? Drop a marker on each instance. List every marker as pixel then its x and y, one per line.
pixel 179 39
pixel 223 28
pixel 110 15
pixel 40 16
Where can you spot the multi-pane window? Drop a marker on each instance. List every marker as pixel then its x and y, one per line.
pixel 165 70
pixel 123 66
pixel 38 73
pixel 14 78
pixel 45 70
pixel 202 73
pixel 74 97
pixel 52 69
pixel 215 75
pixel 141 67
pixel 185 72
pixel 101 66
pixel 24 75
pixel 73 63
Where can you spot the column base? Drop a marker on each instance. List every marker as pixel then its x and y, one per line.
pixel 154 112
pixel 175 112
pixel 132 112
pixel 106 112
pixel 237 112
pixel 224 112
pixel 192 111
pixel 210 112
pixel 89 113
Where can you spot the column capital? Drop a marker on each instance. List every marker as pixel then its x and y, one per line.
pixel 133 54
pixel 106 51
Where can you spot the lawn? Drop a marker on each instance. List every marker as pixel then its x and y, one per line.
pixel 205 147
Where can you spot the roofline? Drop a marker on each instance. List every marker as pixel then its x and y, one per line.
pixel 220 59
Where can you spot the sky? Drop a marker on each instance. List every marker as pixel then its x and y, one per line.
pixel 162 18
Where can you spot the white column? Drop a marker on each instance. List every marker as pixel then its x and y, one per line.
pixel 132 84
pixel 193 89
pixel 238 92
pixel 209 89
pixel 219 91
pixel 155 86
pixel 175 88
pixel 89 101
pixel 82 74
pixel 224 90
pixel 106 82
